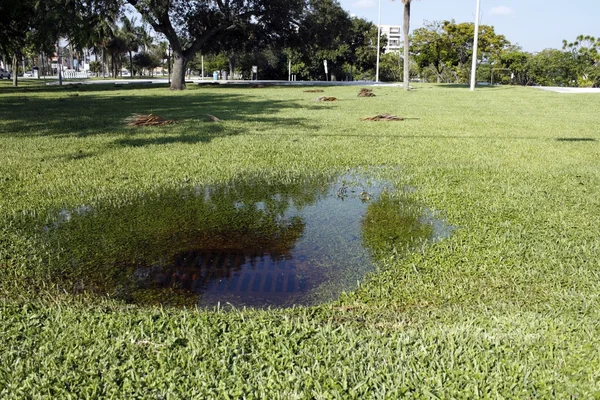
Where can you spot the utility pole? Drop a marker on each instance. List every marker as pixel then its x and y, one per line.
pixel 378 43
pixel 475 44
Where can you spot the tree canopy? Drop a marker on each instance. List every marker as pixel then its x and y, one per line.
pixel 273 33
pixel 189 26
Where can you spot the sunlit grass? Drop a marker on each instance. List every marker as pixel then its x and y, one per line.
pixel 505 307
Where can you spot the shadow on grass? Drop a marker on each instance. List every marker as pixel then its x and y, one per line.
pixel 89 110
pixel 576 140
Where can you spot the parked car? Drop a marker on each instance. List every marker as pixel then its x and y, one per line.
pixel 5 74
pixel 28 74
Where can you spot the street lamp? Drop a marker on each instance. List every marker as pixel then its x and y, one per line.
pixel 378 43
pixel 475 44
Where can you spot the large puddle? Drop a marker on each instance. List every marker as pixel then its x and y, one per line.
pixel 259 244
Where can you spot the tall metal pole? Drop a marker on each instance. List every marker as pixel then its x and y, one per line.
pixel 475 44
pixel 378 43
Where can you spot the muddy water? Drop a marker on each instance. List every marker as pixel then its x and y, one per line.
pixel 248 243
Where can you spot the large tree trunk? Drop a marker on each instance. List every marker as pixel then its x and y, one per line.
pixel 15 70
pixel 406 56
pixel 179 67
pixel 231 66
pixel 103 64
pixel 70 56
pixel 439 73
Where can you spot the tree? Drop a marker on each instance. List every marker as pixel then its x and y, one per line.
pixel 518 62
pixel 95 67
pixel 585 52
pixel 39 24
pixel 147 60
pixel 23 24
pixel 146 40
pixel 390 68
pixel 190 26
pixel 324 34
pixel 362 46
pixel 130 37
pixel 553 67
pixel 97 39
pixel 462 36
pixel 116 46
pixel 431 48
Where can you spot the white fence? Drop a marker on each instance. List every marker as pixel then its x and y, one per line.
pixel 70 74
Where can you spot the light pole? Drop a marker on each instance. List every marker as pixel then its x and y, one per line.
pixel 475 44
pixel 378 43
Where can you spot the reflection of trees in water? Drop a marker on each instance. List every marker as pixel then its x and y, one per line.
pixel 393 223
pixel 232 239
pixel 153 234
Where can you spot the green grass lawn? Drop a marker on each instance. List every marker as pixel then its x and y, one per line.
pixel 507 307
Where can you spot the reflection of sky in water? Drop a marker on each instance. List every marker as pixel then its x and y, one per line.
pixel 332 236
pixel 319 226
pixel 329 257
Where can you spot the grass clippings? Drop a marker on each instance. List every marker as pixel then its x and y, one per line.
pixel 383 117
pixel 314 91
pixel 212 118
pixel 147 120
pixel 366 93
pixel 326 98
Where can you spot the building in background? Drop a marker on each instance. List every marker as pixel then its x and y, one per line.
pixel 394 38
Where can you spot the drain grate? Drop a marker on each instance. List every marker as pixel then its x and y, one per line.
pixel 234 272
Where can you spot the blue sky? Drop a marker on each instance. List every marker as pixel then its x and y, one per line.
pixel 533 24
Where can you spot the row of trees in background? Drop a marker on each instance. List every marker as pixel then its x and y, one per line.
pixel 325 32
pixel 234 35
pixel 442 52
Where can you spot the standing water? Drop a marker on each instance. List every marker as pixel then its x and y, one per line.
pixel 255 243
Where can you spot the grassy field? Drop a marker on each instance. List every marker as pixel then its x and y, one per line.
pixel 507 307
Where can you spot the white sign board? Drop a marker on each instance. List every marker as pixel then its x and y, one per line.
pixel 325 65
pixel 255 69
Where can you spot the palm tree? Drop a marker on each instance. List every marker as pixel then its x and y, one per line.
pixel 144 37
pixel 98 40
pixel 131 38
pixel 117 46
pixel 405 33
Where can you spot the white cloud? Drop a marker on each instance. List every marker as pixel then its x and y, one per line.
pixel 501 10
pixel 364 3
